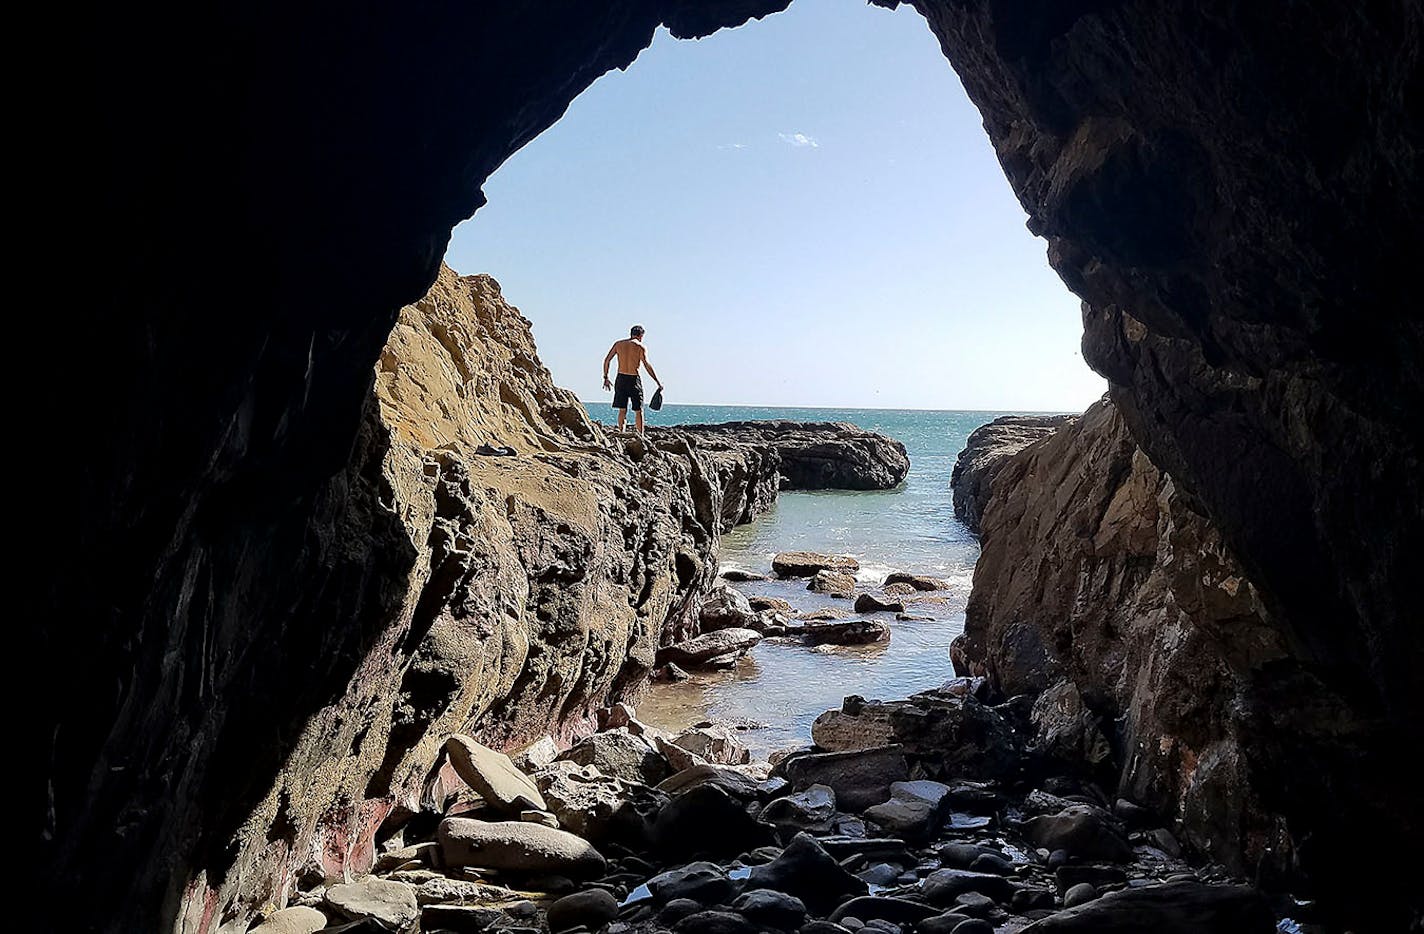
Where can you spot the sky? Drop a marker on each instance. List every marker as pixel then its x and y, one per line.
pixel 801 211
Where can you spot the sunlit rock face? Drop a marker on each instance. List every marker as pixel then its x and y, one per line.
pixel 1233 188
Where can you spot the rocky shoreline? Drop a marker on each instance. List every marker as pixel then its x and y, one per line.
pixel 987 451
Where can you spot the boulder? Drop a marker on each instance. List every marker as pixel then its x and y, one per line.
pixel 771 909
pixel 775 604
pixel 516 846
pixel 986 452
pixel 536 755
pixel 620 754
pixel 702 882
pixel 806 870
pixel 299 920
pixel 811 810
pixel 725 608
pixel 739 576
pixel 883 908
pixel 390 904
pixel 915 581
pixel 859 778
pixel 715 922
pixel 706 820
pixel 1171 908
pixel 592 909
pixel 678 758
pixel 491 774
pixel 1081 830
pixel 875 603
pixel 807 563
pixel 730 781
pixel 846 632
pixel 1066 730
pixel 914 811
pixel 713 743
pixel 702 649
pixel 833 584
pixel 944 886
pixel 822 615
pixel 1079 894
pixel 946 923
pixel 600 808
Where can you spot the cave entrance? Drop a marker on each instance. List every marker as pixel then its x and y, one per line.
pixel 806 214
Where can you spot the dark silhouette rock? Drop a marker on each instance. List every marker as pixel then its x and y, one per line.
pixel 1173 908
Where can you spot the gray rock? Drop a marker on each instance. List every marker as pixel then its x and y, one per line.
pixel 942 924
pixel 592 909
pixel 297 920
pixel 914 811
pixel 884 908
pixel 822 615
pixel 704 648
pixel 875 603
pixel 944 886
pixel 731 781
pixel 677 909
pixel 992 862
pixel 806 870
pixel 441 889
pixel 1081 831
pixel 1163 840
pixel 833 584
pixel 775 604
pixel 1079 894
pixel 714 744
pixel 739 576
pixel 715 922
pixel 600 808
pixel 916 581
pixel 725 608
pixel 807 563
pixel 493 776
pixel 706 820
pixel 771 909
pixel 963 855
pixel 1171 908
pixel 620 754
pixel 812 810
pixel 390 904
pixel 975 904
pixel 702 882
pixel 879 874
pixel 973 926
pixel 1065 729
pixel 847 632
pixel 517 846
pixel 860 778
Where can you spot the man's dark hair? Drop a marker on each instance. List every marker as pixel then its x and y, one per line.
pixel 635 331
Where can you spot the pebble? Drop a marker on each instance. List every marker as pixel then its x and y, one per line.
pixel 593 908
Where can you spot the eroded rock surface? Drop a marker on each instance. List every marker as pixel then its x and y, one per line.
pixel 814 455
pixel 985 453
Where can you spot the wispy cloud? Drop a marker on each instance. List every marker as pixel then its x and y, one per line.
pixel 732 146
pixel 799 140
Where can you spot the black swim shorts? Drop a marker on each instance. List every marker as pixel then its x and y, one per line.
pixel 628 388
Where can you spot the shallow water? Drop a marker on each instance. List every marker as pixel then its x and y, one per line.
pixel 783 684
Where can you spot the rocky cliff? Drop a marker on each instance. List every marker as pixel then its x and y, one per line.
pixel 1234 189
pixel 813 455
pixel 1096 573
pixel 985 452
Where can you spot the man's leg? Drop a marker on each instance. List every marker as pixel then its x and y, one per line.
pixel 638 416
pixel 622 418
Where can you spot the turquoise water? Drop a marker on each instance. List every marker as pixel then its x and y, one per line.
pixel 783 685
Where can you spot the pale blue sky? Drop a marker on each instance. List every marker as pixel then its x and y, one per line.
pixel 801 211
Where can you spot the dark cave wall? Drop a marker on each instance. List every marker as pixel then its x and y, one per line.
pixel 1233 188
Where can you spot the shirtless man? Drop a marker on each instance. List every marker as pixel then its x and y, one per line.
pixel 629 387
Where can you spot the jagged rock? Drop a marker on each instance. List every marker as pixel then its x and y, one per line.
pixel 592 908
pixel 706 647
pixel 440 890
pixel 873 603
pixel 985 453
pixel 725 608
pixel 1173 908
pixel 804 869
pixel 1066 729
pixel 536 755
pixel 811 810
pixel 679 759
pixel 918 582
pixel 859 778
pixel 775 604
pixel 817 455
pixel 833 584
pixel 706 820
pixel 493 776
pixel 620 754
pixel 702 882
pixel 298 920
pixel 914 811
pixel 807 563
pixel 600 808
pixel 771 909
pixel 669 673
pixel 713 744
pixel 422 854
pixel 390 904
pixel 730 781
pixel 517 846
pixel 846 632
pixel 1080 830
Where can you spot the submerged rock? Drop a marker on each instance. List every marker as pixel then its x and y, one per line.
pixel 807 563
pixel 847 632
pixel 874 603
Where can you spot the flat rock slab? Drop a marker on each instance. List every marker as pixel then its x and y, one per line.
pixel 860 778
pixel 914 811
pixel 708 646
pixel 391 904
pixel 517 846
pixel 1080 830
pixel 292 921
pixel 1172 908
pixel 807 563
pixel 493 776
pixel 846 632
pixel 876 603
pixel 811 810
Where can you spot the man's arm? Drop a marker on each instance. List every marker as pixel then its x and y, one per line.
pixel 612 352
pixel 651 371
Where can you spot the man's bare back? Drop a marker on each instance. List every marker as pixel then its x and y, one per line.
pixel 631 355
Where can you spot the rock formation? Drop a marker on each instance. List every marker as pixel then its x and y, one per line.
pixel 1234 189
pixel 986 451
pixel 815 455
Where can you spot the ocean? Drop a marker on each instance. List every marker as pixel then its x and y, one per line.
pixel 783 685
